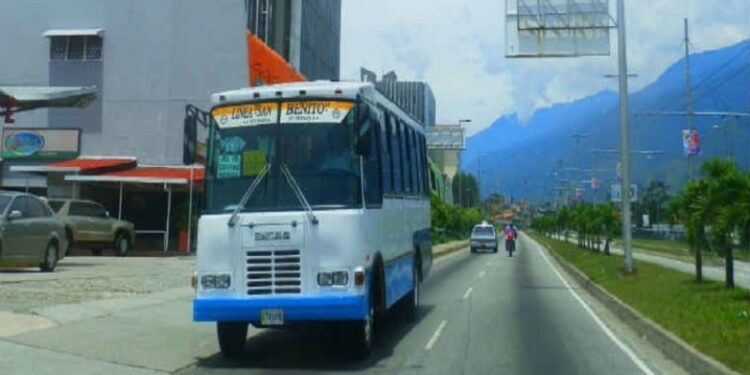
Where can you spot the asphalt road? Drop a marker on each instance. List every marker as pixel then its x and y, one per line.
pixel 480 314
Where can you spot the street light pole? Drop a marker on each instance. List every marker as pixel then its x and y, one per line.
pixel 624 134
pixel 460 176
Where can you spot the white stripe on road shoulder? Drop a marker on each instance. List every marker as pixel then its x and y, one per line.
pixel 435 336
pixel 481 274
pixel 638 362
pixel 468 292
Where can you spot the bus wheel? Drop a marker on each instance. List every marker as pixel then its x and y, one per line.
pixel 411 302
pixel 232 337
pixel 363 333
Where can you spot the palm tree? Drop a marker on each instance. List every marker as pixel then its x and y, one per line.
pixel 728 196
pixel 695 210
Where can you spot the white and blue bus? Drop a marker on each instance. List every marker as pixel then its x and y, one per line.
pixel 316 210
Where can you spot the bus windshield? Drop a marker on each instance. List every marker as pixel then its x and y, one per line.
pixel 317 150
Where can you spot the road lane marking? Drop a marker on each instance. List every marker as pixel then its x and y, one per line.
pixel 642 366
pixel 481 274
pixel 435 336
pixel 468 293
pixel 489 263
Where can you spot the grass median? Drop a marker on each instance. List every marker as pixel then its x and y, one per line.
pixel 679 249
pixel 709 317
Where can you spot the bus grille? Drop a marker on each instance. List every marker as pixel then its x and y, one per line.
pixel 273 272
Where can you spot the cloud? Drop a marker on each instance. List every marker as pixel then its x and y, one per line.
pixel 458 47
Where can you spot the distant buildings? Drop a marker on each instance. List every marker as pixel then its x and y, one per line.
pixel 306 33
pixel 414 97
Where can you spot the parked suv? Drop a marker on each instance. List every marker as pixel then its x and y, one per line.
pixel 30 234
pixel 87 224
pixel 483 236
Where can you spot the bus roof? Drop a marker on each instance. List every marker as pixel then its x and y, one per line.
pixel 347 90
pixel 315 89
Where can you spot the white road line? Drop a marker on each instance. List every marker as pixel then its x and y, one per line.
pixel 468 292
pixel 481 274
pixel 435 336
pixel 489 263
pixel 642 366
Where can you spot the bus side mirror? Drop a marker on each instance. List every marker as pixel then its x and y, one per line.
pixel 15 215
pixel 363 130
pixel 189 141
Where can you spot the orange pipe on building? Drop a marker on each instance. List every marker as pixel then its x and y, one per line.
pixel 267 67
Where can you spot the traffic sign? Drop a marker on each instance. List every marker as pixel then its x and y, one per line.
pixel 616 192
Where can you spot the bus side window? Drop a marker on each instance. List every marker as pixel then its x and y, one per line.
pixel 424 167
pixel 385 157
pixel 404 157
pixel 373 187
pixel 416 181
pixel 396 155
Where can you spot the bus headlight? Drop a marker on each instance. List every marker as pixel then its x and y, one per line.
pixel 325 279
pixel 336 278
pixel 341 278
pixel 223 281
pixel 213 281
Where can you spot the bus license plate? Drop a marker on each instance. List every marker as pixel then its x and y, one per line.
pixel 272 317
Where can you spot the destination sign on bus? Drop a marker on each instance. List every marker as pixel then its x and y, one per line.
pixel 314 112
pixel 246 115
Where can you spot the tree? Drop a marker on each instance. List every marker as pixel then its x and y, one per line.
pixel 655 199
pixel 728 195
pixel 694 209
pixel 465 190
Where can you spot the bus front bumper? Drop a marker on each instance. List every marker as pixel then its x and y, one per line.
pixel 295 308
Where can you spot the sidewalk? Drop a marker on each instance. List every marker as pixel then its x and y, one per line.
pixel 711 272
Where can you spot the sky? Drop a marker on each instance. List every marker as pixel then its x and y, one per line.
pixel 458 47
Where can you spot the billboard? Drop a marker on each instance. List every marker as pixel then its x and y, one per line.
pixel 557 28
pixel 444 137
pixel 41 144
pixel 691 144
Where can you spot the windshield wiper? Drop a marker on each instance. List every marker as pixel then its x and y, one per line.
pixel 298 192
pixel 248 194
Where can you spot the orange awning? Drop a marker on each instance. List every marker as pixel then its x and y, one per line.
pixel 146 175
pixel 266 66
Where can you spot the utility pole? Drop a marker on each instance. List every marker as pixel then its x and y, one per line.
pixel 578 137
pixel 689 108
pixel 624 134
pixel 688 95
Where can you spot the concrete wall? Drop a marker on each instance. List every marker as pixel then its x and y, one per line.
pixel 158 56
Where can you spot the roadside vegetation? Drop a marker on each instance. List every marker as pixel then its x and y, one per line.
pixel 714 208
pixel 711 318
pixel 451 222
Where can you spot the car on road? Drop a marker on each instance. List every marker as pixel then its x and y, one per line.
pixel 30 233
pixel 88 224
pixel 483 236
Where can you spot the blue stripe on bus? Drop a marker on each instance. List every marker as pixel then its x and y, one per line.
pixel 398 279
pixel 300 308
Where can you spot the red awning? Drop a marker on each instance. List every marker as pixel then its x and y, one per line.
pixel 80 165
pixel 147 175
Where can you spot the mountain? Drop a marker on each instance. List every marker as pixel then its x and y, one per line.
pixel 519 158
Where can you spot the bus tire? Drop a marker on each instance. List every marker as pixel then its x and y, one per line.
pixel 232 337
pixel 411 302
pixel 363 333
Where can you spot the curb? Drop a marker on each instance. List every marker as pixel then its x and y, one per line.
pixel 445 249
pixel 672 346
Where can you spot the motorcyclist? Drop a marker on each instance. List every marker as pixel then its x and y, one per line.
pixel 511 233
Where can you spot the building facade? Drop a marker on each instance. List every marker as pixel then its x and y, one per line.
pixel 306 33
pixel 148 60
pixel 415 97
